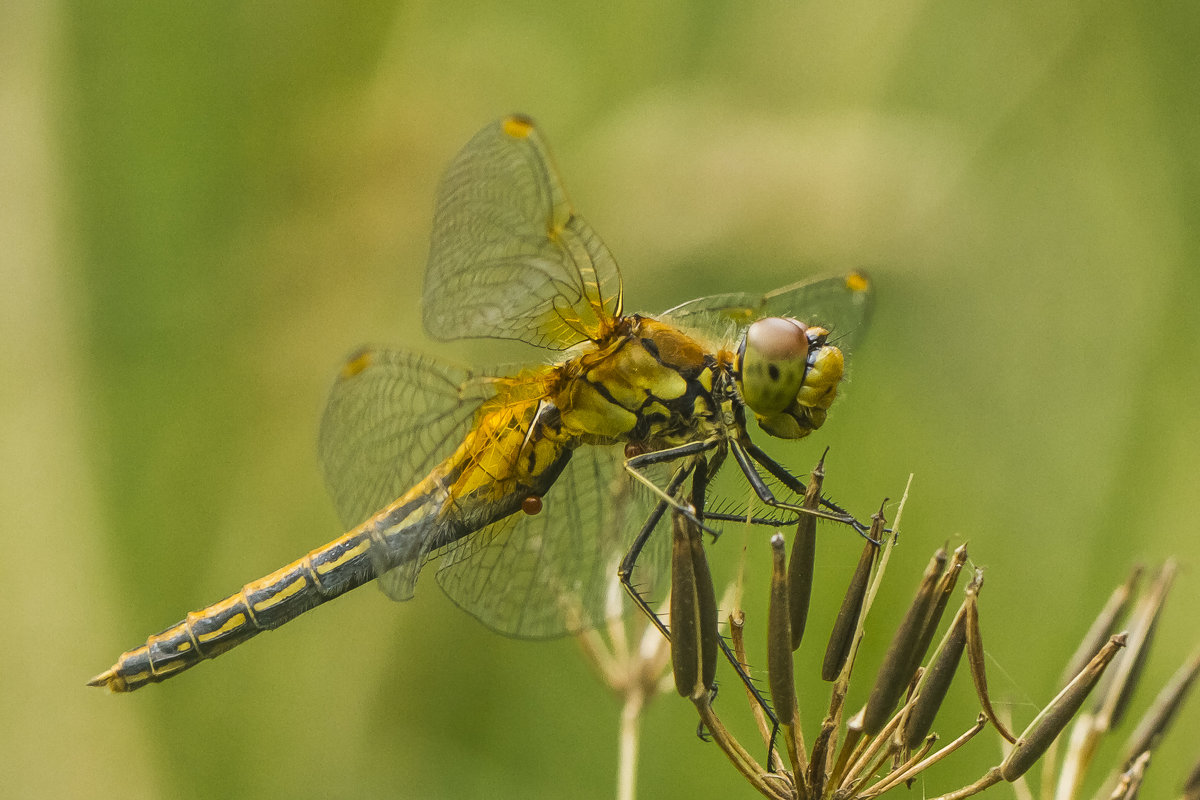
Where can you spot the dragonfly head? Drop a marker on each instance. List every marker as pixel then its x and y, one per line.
pixel 788 375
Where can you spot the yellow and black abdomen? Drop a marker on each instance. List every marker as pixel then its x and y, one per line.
pixel 267 603
pixel 499 465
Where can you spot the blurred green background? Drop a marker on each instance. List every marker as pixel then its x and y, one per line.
pixel 206 208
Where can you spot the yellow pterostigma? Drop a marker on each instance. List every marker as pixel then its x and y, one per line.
pixel 533 488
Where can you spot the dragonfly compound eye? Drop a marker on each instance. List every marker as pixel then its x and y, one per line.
pixel 772 363
pixel 788 375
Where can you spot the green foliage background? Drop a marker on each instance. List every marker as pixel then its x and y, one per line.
pixel 207 206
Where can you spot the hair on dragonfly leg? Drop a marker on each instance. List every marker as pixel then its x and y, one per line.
pixel 721 516
pixel 687 510
pixel 752 687
pixel 702 731
pixel 635 465
pixel 793 484
pixel 699 472
pixel 625 570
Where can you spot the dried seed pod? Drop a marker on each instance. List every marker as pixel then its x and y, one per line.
pixel 1103 626
pixel 1191 787
pixel 975 656
pixel 942 595
pixel 895 672
pixel 1048 724
pixel 706 595
pixel 841 638
pixel 936 682
pixel 780 668
pixel 1121 682
pixel 801 563
pixel 685 614
pixel 1162 712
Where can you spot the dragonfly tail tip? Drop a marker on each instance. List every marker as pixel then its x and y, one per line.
pixel 109 679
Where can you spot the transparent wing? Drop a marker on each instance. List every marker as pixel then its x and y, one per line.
pixel 840 304
pixel 556 572
pixel 509 256
pixel 391 417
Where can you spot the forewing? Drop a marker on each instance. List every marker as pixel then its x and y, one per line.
pixel 391 417
pixel 509 256
pixel 556 571
pixel 840 304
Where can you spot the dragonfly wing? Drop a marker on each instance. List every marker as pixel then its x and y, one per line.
pixel 840 304
pixel 509 257
pixel 556 572
pixel 392 416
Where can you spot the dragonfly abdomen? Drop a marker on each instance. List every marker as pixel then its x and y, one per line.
pixel 396 541
pixel 266 603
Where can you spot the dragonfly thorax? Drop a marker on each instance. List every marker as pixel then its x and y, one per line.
pixel 648 383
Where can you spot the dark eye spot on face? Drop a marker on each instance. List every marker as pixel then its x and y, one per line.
pixel 773 372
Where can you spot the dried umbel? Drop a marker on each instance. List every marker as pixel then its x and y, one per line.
pixel 888 743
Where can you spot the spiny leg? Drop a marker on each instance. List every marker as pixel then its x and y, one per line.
pixel 700 473
pixel 625 570
pixel 793 483
pixel 667 498
pixel 636 464
pixel 745 451
pixel 752 520
pixel 699 491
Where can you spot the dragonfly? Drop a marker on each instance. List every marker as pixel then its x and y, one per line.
pixel 532 488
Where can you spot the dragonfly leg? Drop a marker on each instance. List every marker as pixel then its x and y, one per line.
pixel 791 481
pixel 747 453
pixel 635 465
pixel 625 573
pixel 723 516
pixel 625 570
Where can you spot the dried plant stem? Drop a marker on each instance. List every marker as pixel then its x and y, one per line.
pixel 737 755
pixel 737 628
pixel 1080 747
pixel 629 738
pixel 1131 780
pixel 880 747
pixel 916 766
pixel 989 778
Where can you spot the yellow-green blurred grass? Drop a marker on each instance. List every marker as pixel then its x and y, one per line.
pixel 222 202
